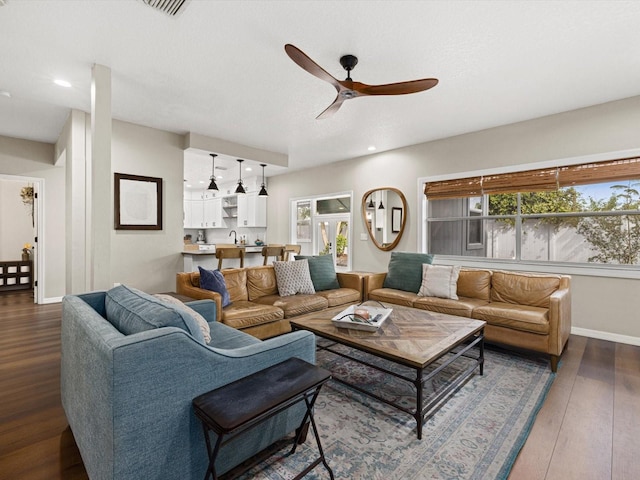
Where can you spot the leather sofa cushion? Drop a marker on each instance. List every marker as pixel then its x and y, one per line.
pixel 236 280
pixel 243 314
pixel 294 305
pixel 391 295
pixel 523 288
pixel 340 296
pixel 474 283
pixel 261 281
pixel 516 317
pixel 461 307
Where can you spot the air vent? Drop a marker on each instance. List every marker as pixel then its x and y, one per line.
pixel 170 7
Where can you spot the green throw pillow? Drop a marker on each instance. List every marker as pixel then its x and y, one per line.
pixel 405 271
pixel 323 272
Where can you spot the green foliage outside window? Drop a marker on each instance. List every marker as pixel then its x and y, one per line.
pixel 560 201
pixel 615 238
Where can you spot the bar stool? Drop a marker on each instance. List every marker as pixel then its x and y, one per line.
pixel 290 248
pixel 276 251
pixel 229 251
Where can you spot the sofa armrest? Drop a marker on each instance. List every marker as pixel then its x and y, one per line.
pixel 559 318
pixel 351 280
pixel 373 282
pixel 207 308
pixel 184 287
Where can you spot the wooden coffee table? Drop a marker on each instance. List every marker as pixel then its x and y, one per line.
pixel 410 337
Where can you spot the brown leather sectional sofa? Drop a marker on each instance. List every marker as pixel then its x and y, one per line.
pixel 525 310
pixel 257 308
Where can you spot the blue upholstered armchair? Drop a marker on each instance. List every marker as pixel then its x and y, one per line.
pixel 128 397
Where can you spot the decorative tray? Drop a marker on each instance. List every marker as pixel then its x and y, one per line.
pixel 349 319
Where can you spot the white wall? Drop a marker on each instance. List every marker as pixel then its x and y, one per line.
pixel 149 260
pixel 36 159
pixel 600 304
pixel 145 259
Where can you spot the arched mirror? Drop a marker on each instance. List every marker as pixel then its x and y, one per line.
pixel 384 212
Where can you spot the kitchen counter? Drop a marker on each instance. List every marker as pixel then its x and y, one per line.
pixel 207 258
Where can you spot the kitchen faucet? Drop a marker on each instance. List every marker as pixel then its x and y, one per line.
pixel 235 236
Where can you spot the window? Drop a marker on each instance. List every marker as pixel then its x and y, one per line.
pixel 303 221
pixel 576 214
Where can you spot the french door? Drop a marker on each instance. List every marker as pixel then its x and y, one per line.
pixel 332 238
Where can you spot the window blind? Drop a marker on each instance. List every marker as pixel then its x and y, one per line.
pixel 609 171
pixel 544 179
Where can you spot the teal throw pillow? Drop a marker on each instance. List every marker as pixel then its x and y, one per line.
pixel 213 280
pixel 323 272
pixel 405 271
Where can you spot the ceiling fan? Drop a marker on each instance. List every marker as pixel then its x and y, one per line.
pixel 347 88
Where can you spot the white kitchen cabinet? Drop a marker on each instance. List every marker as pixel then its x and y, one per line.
pixel 195 217
pixel 252 210
pixel 213 213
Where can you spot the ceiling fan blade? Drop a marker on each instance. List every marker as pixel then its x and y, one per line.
pixel 333 108
pixel 309 65
pixel 400 88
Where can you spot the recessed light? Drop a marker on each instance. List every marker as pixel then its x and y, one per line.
pixel 62 83
pixel 371 148
pixel 189 186
pixel 248 169
pixel 4 93
pixel 201 181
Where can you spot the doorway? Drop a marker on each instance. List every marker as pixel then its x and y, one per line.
pixel 19 226
pixel 322 226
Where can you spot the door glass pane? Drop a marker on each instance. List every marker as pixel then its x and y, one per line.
pixel 342 244
pixel 324 239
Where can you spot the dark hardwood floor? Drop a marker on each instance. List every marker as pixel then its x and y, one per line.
pixel 587 428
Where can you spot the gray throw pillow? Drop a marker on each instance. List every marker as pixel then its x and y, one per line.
pixel 405 271
pixel 293 277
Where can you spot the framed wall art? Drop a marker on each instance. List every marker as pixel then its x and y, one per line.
pixel 138 202
pixel 396 219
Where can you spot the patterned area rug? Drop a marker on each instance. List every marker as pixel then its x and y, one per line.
pixel 475 434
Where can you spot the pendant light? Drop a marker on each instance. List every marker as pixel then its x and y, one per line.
pixel 371 205
pixel 381 206
pixel 212 185
pixel 240 187
pixel 263 189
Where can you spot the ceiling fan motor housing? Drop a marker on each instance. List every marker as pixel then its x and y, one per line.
pixel 348 62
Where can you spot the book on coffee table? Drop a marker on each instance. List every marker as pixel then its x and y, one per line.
pixel 355 317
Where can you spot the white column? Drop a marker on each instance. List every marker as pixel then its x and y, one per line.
pixel 101 179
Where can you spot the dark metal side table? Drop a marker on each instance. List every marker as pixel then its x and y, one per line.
pixel 241 405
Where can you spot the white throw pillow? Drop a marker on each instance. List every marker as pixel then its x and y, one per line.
pixel 293 277
pixel 200 320
pixel 439 281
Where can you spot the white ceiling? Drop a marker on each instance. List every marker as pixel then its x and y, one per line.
pixel 219 68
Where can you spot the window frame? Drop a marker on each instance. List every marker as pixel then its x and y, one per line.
pixel 587 269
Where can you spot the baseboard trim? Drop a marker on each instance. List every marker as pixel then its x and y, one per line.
pixel 51 300
pixel 612 337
